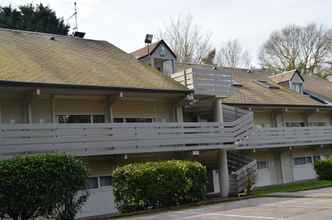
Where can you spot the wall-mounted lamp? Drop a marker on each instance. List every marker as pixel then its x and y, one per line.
pixel 196 152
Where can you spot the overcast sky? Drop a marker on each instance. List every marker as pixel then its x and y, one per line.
pixel 125 22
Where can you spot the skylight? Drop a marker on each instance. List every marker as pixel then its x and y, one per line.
pixel 266 84
pixel 236 83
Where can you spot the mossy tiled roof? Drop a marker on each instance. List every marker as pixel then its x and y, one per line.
pixel 246 91
pixel 51 59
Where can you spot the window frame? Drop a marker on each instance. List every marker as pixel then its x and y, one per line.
pixel 99 185
pixel 290 124
pixel 298 87
pixel 266 166
pixel 90 115
pixel 308 159
pixel 124 119
pixel 318 123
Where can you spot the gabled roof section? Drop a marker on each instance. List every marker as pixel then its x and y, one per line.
pixel 252 93
pixel 285 76
pixel 318 86
pixel 145 51
pixel 29 57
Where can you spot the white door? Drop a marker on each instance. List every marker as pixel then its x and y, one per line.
pixel 303 168
pixel 100 202
pixel 264 177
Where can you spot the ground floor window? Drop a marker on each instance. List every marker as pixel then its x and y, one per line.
pixel 93 118
pixel 305 160
pixel 263 164
pixel 99 182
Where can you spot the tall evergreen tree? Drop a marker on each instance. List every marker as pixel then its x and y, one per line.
pixel 37 18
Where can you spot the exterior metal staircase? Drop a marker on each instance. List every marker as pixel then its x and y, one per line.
pixel 242 169
pixel 242 172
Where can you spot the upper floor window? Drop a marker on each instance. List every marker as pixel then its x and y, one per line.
pixel 133 120
pixel 294 124
pixel 162 52
pixel 68 119
pixel 318 123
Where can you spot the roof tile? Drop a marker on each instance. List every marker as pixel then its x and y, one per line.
pixel 35 58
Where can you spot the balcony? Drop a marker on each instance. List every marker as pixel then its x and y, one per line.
pixel 118 138
pixel 287 137
pixel 205 82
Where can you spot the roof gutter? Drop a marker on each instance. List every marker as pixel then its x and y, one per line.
pixel 278 105
pixel 34 85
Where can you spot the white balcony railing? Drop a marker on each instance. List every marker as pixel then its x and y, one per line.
pixel 117 138
pixel 287 137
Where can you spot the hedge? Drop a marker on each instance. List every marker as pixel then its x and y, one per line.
pixel 41 185
pixel 324 169
pixel 140 186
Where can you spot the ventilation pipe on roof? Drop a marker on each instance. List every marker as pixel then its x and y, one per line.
pixel 79 34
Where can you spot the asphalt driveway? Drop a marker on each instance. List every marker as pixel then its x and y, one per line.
pixel 307 205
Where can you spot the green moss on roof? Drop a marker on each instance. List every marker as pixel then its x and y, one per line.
pixel 35 58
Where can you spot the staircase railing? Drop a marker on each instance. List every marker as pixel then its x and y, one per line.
pixel 238 123
pixel 242 173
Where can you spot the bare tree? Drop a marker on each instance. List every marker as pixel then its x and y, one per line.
pixel 246 60
pixel 186 39
pixel 231 54
pixel 296 47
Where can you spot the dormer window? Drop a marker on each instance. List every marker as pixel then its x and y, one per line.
pixel 162 51
pixel 298 87
pixel 292 79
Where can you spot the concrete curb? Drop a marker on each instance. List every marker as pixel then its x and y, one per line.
pixel 175 208
pixel 298 196
pixel 210 201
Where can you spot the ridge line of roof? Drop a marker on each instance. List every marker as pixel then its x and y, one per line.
pixel 49 34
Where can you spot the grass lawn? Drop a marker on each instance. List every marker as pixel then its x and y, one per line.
pixel 293 187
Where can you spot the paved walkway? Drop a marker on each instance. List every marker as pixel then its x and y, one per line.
pixel 308 205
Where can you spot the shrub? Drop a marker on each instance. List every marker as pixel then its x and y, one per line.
pixel 324 169
pixel 33 186
pixel 141 186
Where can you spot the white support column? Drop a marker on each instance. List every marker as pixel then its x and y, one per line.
pixel 223 173
pixel 109 110
pixel 0 113
pixel 28 109
pixel 29 106
pixel 222 154
pixel 287 166
pixel 219 116
pixel 52 109
pixel 179 113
